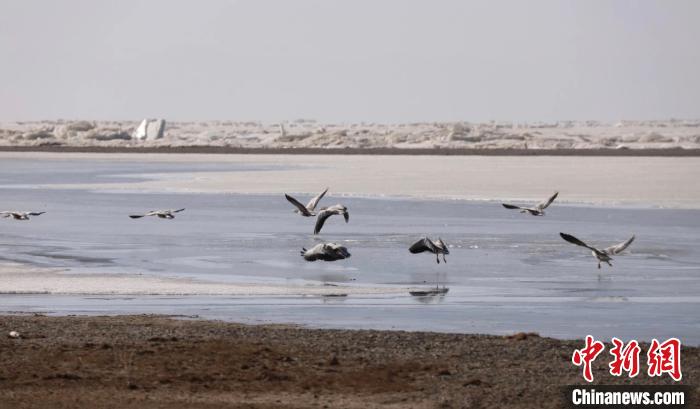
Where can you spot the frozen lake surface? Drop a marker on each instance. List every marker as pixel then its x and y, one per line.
pixel 507 272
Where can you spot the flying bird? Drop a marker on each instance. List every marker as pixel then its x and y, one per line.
pixel 603 255
pixel 163 214
pixel 535 211
pixel 327 212
pixel 20 215
pixel 436 247
pixel 325 252
pixel 308 210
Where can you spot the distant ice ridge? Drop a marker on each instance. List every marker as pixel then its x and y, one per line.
pixel 661 134
pixel 149 129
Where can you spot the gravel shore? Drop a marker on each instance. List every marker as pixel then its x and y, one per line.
pixel 160 362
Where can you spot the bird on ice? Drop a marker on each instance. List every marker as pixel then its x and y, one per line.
pixel 325 252
pixel 163 214
pixel 602 255
pixel 327 212
pixel 20 215
pixel 436 247
pixel 535 211
pixel 308 210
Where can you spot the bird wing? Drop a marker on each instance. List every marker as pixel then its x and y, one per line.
pixel 619 248
pixel 313 202
pixel 177 211
pixel 510 206
pixel 312 254
pixel 136 216
pixel 338 252
pixel 322 219
pixel 574 240
pixel 35 213
pixel 307 254
pixel 424 244
pixel 549 201
pixel 298 205
pixel 346 216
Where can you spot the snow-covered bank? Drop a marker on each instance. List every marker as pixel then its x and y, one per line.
pixel 666 134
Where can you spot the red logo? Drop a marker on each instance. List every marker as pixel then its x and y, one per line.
pixel 661 358
pixel 665 358
pixel 587 355
pixel 626 358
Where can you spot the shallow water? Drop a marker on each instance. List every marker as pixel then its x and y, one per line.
pixel 507 271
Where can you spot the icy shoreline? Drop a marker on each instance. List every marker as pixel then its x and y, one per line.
pixel 628 181
pixel 637 135
pixel 20 279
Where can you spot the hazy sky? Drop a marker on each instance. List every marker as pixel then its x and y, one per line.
pixel 387 61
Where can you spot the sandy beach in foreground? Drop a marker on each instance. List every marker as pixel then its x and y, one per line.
pixel 158 362
pixel 646 181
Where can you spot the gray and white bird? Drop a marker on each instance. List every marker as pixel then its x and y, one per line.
pixel 436 247
pixel 163 214
pixel 308 210
pixel 325 252
pixel 327 212
pixel 602 255
pixel 535 211
pixel 20 215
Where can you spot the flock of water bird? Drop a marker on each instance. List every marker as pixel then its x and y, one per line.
pixel 602 255
pixel 333 251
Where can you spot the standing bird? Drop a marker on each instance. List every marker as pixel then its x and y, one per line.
pixel 603 255
pixel 535 211
pixel 20 215
pixel 327 212
pixel 163 214
pixel 436 247
pixel 308 210
pixel 325 252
